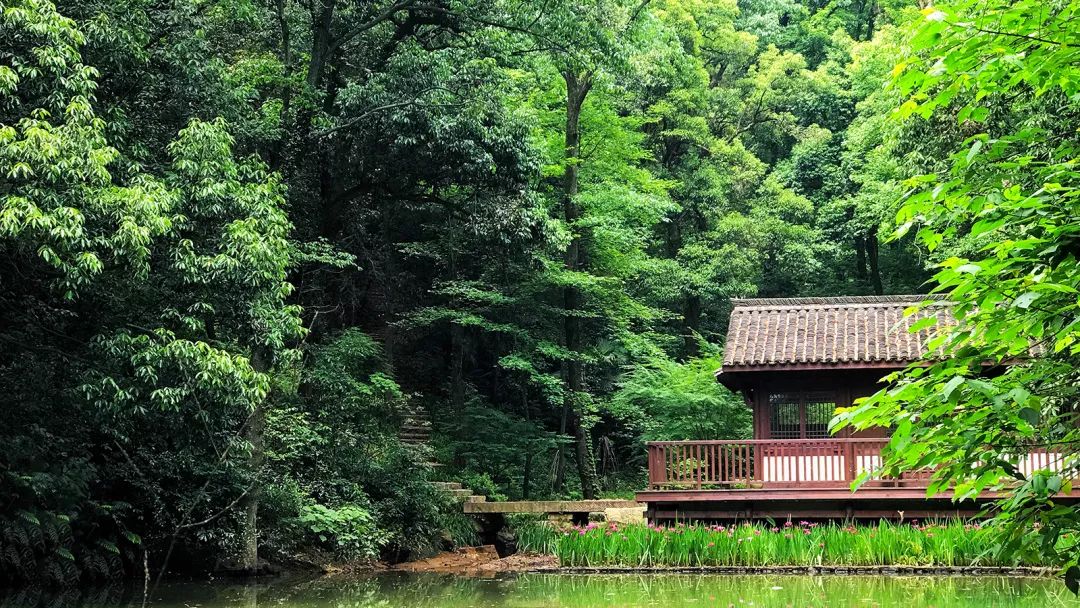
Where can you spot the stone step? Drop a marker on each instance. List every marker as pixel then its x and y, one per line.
pixel 476 498
pixel 461 492
pixel 414 434
pixel 447 485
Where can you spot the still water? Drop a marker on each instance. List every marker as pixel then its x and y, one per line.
pixel 594 591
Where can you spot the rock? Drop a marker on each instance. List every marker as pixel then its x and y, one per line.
pixel 628 515
pixel 506 541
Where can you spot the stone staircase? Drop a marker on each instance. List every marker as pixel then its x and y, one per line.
pixel 458 491
pixel 416 428
pixel 416 432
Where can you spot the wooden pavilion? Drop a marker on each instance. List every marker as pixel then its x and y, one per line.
pixel 795 360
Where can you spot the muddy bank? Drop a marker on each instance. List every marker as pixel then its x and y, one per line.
pixel 479 561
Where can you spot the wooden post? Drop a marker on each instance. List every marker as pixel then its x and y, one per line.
pixel 850 461
pixel 697 462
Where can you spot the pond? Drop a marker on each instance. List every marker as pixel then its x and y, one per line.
pixel 593 591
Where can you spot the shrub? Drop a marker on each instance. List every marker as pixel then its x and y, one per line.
pixel 350 530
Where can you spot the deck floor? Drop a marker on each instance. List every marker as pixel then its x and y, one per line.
pixel 781 503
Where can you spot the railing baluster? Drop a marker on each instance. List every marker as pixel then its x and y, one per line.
pixel 665 461
pixel 740 453
pixel 729 466
pixel 832 462
pixel 697 464
pixel 683 464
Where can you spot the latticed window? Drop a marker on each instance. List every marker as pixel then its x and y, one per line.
pixel 800 415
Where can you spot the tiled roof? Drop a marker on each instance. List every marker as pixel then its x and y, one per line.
pixel 855 331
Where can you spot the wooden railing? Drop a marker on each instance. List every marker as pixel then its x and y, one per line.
pixel 784 463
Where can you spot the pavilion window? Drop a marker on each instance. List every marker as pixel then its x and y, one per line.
pixel 800 415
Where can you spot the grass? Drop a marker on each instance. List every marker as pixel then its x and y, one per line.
pixel 950 543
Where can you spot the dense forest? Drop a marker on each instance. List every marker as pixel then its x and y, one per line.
pixel 243 241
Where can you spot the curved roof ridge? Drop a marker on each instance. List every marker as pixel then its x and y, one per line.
pixel 836 300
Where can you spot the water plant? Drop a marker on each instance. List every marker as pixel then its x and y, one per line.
pixel 944 543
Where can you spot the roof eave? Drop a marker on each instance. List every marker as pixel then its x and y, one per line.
pixel 812 366
pixel 735 376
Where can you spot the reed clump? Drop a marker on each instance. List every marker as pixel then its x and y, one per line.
pixel 951 543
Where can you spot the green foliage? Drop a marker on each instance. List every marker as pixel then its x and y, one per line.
pixel 998 214
pixel 59 204
pixel 492 452
pixel 349 529
pixel 681 401
pixel 161 303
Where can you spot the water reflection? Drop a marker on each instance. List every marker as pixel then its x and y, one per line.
pixel 583 591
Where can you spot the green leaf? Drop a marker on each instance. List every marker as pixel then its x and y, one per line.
pixel 1025 299
pixel 1029 415
pixel 952 385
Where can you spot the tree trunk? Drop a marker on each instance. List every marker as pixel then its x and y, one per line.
pixel 457 366
pixel 559 484
pixel 525 476
pixel 322 20
pixel 673 240
pixel 872 256
pixel 586 460
pixel 577 88
pixel 249 530
pixel 691 322
pixel 871 14
pixel 860 258
pixel 275 155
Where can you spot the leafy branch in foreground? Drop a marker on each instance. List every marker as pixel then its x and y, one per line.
pixel 1002 217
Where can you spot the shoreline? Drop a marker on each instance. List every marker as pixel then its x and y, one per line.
pixel 1019 571
pixel 485 561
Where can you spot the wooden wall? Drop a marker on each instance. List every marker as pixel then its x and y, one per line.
pixel 846 385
